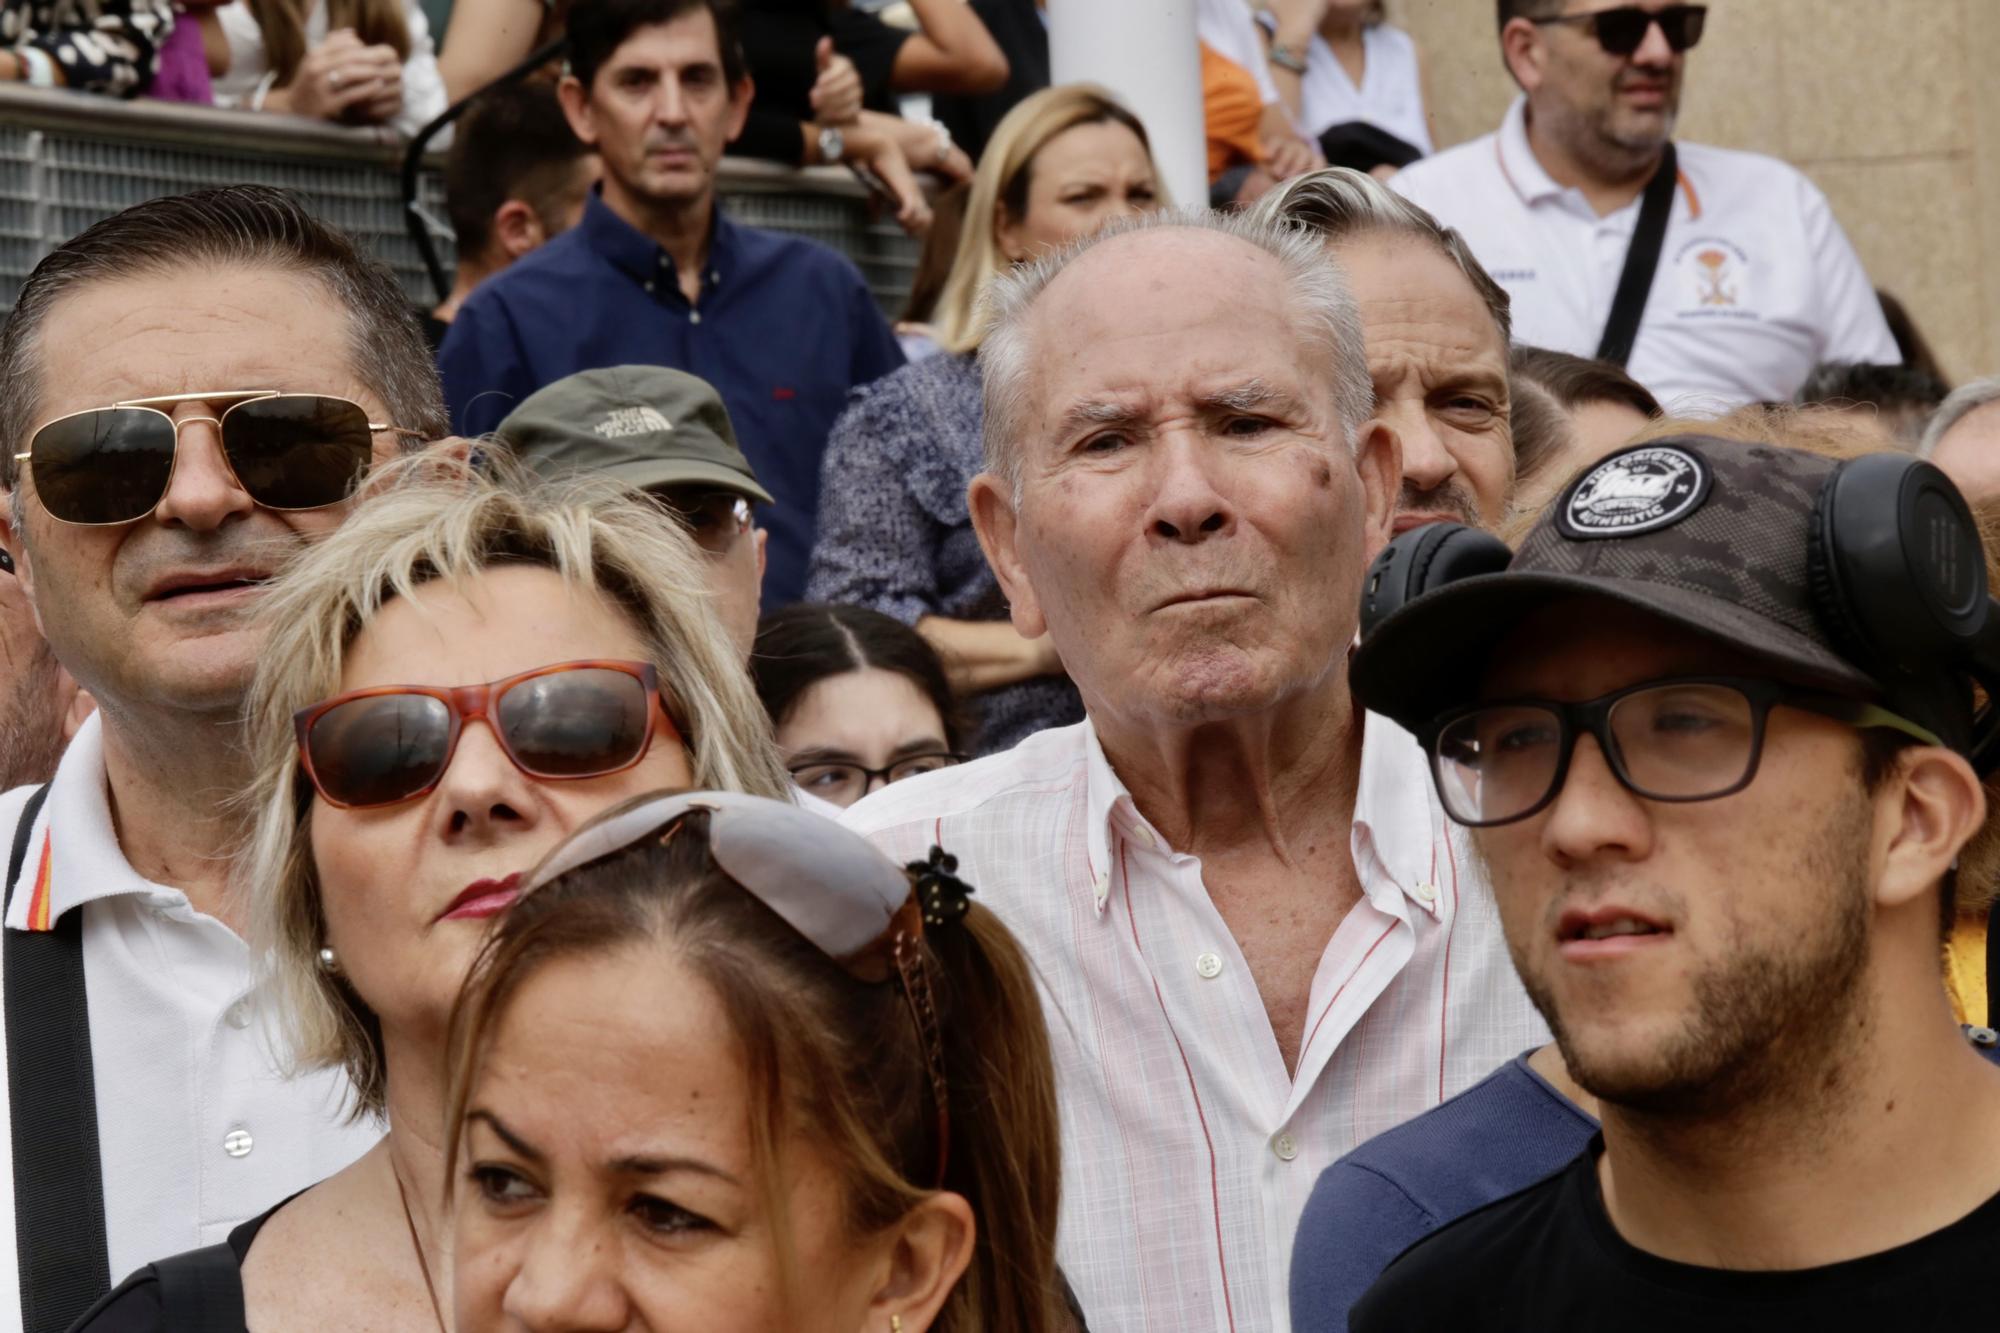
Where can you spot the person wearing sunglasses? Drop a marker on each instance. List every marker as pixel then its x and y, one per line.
pixel 190 390
pixel 451 684
pixel 1721 745
pixel 667 433
pixel 1748 282
pixel 728 1066
pixel 859 700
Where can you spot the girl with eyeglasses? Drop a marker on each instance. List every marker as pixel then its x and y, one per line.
pixel 455 681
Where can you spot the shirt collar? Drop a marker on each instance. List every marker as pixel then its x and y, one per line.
pixel 75 858
pixel 638 255
pixel 1518 163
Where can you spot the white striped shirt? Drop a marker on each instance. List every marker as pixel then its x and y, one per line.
pixel 1188 1149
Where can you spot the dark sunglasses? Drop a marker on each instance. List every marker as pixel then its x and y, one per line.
pixel 715 519
pixel 1623 30
pixel 829 884
pixel 291 451
pixel 393 743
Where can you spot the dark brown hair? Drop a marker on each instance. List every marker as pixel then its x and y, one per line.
pixel 514 143
pixel 826 1053
pixel 802 645
pixel 283 24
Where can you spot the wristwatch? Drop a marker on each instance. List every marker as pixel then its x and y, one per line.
pixel 832 146
pixel 1288 57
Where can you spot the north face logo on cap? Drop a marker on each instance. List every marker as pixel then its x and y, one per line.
pixel 1641 490
pixel 631 421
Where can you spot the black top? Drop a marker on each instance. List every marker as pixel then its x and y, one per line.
pixel 779 37
pixel 1548 1259
pixel 1023 37
pixel 137 1305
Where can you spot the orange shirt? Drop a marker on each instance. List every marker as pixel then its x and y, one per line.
pixel 1232 110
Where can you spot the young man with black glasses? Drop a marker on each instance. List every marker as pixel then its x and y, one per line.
pixel 1748 281
pixel 1719 751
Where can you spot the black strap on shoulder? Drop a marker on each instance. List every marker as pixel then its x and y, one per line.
pixel 1642 259
pixel 52 1102
pixel 202 1291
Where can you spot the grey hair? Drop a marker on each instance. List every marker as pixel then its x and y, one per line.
pixel 1322 308
pixel 233 224
pixel 1336 203
pixel 1959 404
pixel 433 517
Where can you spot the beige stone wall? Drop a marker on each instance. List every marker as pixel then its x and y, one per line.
pixel 1891 106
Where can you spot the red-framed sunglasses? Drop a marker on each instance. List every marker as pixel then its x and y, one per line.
pixel 393 743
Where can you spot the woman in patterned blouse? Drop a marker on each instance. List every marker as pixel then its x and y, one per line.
pixel 112 47
pixel 894 533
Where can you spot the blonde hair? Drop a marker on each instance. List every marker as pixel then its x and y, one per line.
pixel 1001 182
pixel 434 517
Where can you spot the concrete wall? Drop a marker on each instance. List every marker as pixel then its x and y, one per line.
pixel 1891 106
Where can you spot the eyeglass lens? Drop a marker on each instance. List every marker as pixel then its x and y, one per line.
pixel 714 519
pixel 1622 31
pixel 1675 742
pixel 384 748
pixel 114 464
pixel 844 784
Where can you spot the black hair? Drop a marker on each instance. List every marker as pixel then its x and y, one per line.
pixel 803 645
pixel 1527 9
pixel 514 143
pixel 597 28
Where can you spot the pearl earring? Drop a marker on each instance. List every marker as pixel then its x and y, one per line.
pixel 328 963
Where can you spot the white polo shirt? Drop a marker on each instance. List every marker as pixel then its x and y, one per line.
pixel 1756 284
pixel 197 1130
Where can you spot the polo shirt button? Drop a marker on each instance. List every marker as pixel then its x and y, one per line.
pixel 1984 1036
pixel 1427 892
pixel 649 286
pixel 1285 1146
pixel 237 1143
pixel 237 1015
pixel 1209 966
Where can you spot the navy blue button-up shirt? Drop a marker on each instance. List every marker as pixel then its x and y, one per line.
pixel 784 328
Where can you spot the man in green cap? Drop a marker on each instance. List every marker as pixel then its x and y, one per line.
pixel 667 433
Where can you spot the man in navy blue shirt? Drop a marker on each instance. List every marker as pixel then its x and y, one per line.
pixel 781 326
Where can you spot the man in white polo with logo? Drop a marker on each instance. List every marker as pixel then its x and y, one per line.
pixel 1755 282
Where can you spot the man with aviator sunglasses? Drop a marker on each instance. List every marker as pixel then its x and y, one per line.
pixel 190 391
pixel 1703 271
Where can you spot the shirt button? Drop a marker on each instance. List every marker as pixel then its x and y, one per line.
pixel 237 1143
pixel 237 1015
pixel 649 286
pixel 1427 892
pixel 1285 1146
pixel 1983 1036
pixel 1208 965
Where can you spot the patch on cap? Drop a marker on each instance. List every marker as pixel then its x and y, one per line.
pixel 623 421
pixel 1640 490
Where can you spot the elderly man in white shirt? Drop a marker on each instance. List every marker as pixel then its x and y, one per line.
pixel 1755 284
pixel 1259 938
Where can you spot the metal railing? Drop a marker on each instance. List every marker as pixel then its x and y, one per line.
pixel 67 160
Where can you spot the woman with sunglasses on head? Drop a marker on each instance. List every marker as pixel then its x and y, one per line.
pixel 454 681
pixel 859 700
pixel 727 1067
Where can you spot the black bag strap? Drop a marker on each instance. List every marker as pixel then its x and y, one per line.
pixel 1642 260
pixel 52 1103
pixel 202 1291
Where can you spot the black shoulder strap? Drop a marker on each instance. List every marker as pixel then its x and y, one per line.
pixel 1642 259
pixel 202 1291
pixel 52 1102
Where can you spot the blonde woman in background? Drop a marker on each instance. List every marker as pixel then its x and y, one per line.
pixel 894 533
pixel 460 677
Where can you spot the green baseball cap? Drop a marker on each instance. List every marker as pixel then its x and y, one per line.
pixel 646 426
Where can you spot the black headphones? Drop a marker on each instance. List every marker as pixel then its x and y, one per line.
pixel 1896 572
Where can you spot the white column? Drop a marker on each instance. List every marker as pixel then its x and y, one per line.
pixel 1145 51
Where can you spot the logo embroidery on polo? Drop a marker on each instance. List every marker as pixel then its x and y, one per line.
pixel 1714 279
pixel 625 421
pixel 1643 490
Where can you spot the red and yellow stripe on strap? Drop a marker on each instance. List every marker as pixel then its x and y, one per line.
pixel 38 903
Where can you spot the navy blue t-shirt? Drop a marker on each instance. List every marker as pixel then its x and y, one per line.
pixel 1501 1135
pixel 784 328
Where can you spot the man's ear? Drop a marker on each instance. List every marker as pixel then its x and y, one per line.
pixel 517 229
pixel 991 502
pixel 1936 805
pixel 13 538
pixel 740 98
pixel 927 1253
pixel 763 552
pixel 1378 460
pixel 1524 51
pixel 575 99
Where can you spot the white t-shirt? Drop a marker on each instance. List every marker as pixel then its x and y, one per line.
pixel 423 86
pixel 1756 284
pixel 1390 96
pixel 197 1129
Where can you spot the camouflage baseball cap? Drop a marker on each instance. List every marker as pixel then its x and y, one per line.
pixel 1708 535
pixel 646 426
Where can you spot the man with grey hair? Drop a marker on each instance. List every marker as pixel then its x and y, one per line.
pixel 190 391
pixel 1437 328
pixel 1963 438
pixel 1259 942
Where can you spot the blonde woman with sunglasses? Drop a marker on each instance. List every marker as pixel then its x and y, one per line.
pixel 454 682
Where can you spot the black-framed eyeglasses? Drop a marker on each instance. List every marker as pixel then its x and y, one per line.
pixel 715 519
pixel 1680 739
pixel 1623 30
pixel 846 783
